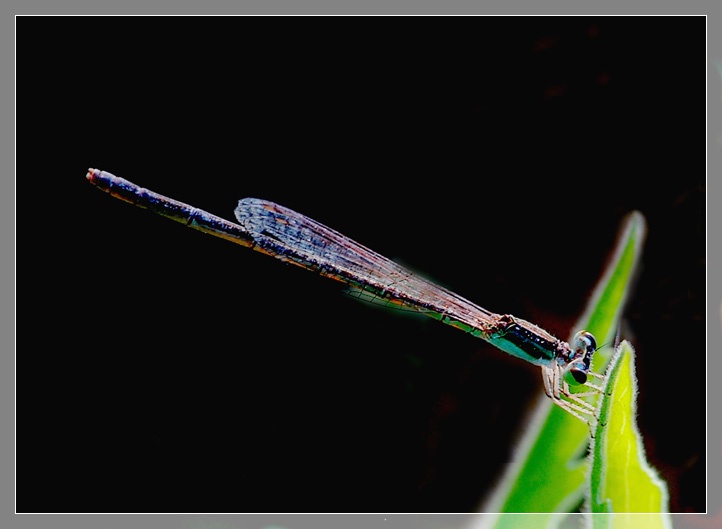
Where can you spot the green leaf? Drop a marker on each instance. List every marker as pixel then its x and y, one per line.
pixel 549 472
pixel 622 481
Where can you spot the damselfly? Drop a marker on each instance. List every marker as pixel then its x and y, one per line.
pixel 294 238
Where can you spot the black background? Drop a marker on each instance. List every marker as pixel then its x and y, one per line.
pixel 161 370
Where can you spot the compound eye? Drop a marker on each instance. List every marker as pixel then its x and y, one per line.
pixel 579 375
pixel 585 340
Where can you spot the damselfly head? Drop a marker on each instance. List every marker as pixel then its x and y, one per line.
pixel 583 346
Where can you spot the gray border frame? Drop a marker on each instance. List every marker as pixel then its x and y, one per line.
pixel 714 256
pixel 714 313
